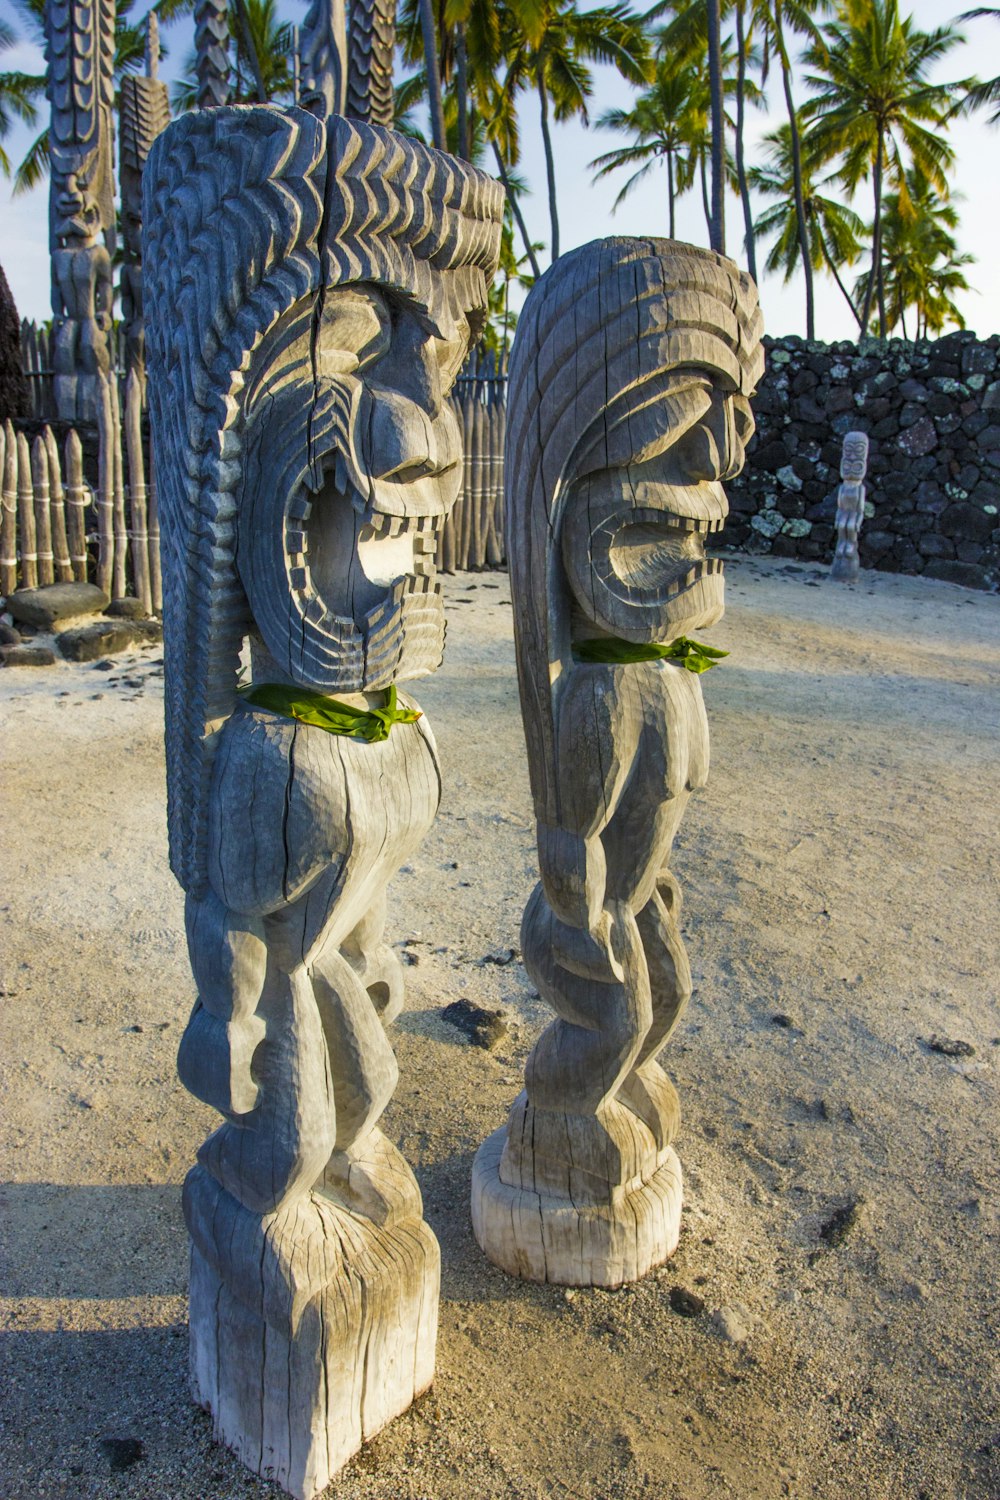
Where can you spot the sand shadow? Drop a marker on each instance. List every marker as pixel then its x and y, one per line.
pixel 97 1241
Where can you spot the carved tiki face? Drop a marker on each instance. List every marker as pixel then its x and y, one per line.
pixel 641 502
pixel 354 455
pixel 854 457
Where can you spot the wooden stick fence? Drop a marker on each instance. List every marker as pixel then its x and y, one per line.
pixel 45 504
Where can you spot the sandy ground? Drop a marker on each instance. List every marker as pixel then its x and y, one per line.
pixel 842 1191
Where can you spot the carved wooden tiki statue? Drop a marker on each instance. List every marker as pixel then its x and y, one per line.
pixel 311 291
pixel 627 408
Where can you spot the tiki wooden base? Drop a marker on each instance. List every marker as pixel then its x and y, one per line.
pixel 310 1329
pixel 542 1238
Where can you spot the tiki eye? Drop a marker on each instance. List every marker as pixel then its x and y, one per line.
pixel 355 329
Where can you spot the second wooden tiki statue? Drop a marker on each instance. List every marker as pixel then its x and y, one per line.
pixel 628 407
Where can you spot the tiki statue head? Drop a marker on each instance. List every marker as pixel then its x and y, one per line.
pixel 314 288
pixel 628 409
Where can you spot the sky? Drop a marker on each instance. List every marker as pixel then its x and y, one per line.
pixel 586 207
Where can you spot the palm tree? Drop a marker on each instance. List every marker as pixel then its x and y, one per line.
pixel 502 320
pixel 488 116
pixel 262 52
pixel 21 93
pixel 987 92
pixel 777 18
pixel 20 96
pixel 875 108
pixel 548 44
pixel 717 226
pixel 833 230
pixel 920 256
pixel 758 22
pixel 667 123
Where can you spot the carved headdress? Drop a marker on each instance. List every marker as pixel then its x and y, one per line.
pixel 250 214
pixel 599 345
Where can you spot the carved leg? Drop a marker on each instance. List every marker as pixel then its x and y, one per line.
pixel 375 963
pixel 581 1187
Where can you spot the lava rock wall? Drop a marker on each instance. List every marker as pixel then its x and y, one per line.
pixel 932 414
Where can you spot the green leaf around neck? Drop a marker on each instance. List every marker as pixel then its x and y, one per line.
pixel 309 707
pixel 694 656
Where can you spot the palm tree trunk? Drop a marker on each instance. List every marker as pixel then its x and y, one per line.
pixel 717 225
pixel 433 73
pixel 550 165
pixel 866 311
pixel 836 276
pixel 671 195
pixel 800 207
pixel 902 319
pixel 706 205
pixel 741 174
pixel 462 89
pixel 515 209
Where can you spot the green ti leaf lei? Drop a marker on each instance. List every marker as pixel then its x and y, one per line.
pixel 308 707
pixel 694 656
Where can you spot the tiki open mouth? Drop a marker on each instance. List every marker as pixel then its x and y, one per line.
pixel 324 533
pixel 656 552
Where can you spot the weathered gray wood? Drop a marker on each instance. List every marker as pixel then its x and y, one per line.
pixel 80 49
pixel 153 521
pixel 43 520
pixel 628 406
pixel 211 47
pixel 27 539
pixel 8 509
pixel 105 488
pixel 118 581
pixel 57 509
pixel 144 111
pixel 323 58
pixel 371 45
pixel 307 456
pixel 850 506
pixel 77 500
pixel 138 521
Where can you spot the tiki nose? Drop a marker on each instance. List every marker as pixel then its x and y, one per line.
pixel 412 366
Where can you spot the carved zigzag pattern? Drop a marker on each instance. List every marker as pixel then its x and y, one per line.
pixel 371 44
pixel 75 62
pixel 396 206
pixel 233 204
pixel 211 45
pixel 145 111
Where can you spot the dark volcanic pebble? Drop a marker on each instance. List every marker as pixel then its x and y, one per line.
pixel 686 1304
pixel 951 1047
pixel 122 1453
pixel 840 1223
pixel 484 1028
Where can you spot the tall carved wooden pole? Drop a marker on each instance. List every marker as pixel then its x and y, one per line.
pixel 144 112
pixel 627 408
pixel 80 54
pixel 301 349
pixel 211 47
pixel 371 45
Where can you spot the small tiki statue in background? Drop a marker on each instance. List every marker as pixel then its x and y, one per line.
pixel 850 506
pixel 628 406
pixel 312 290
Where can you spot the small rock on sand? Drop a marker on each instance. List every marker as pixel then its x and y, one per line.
pixel 484 1028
